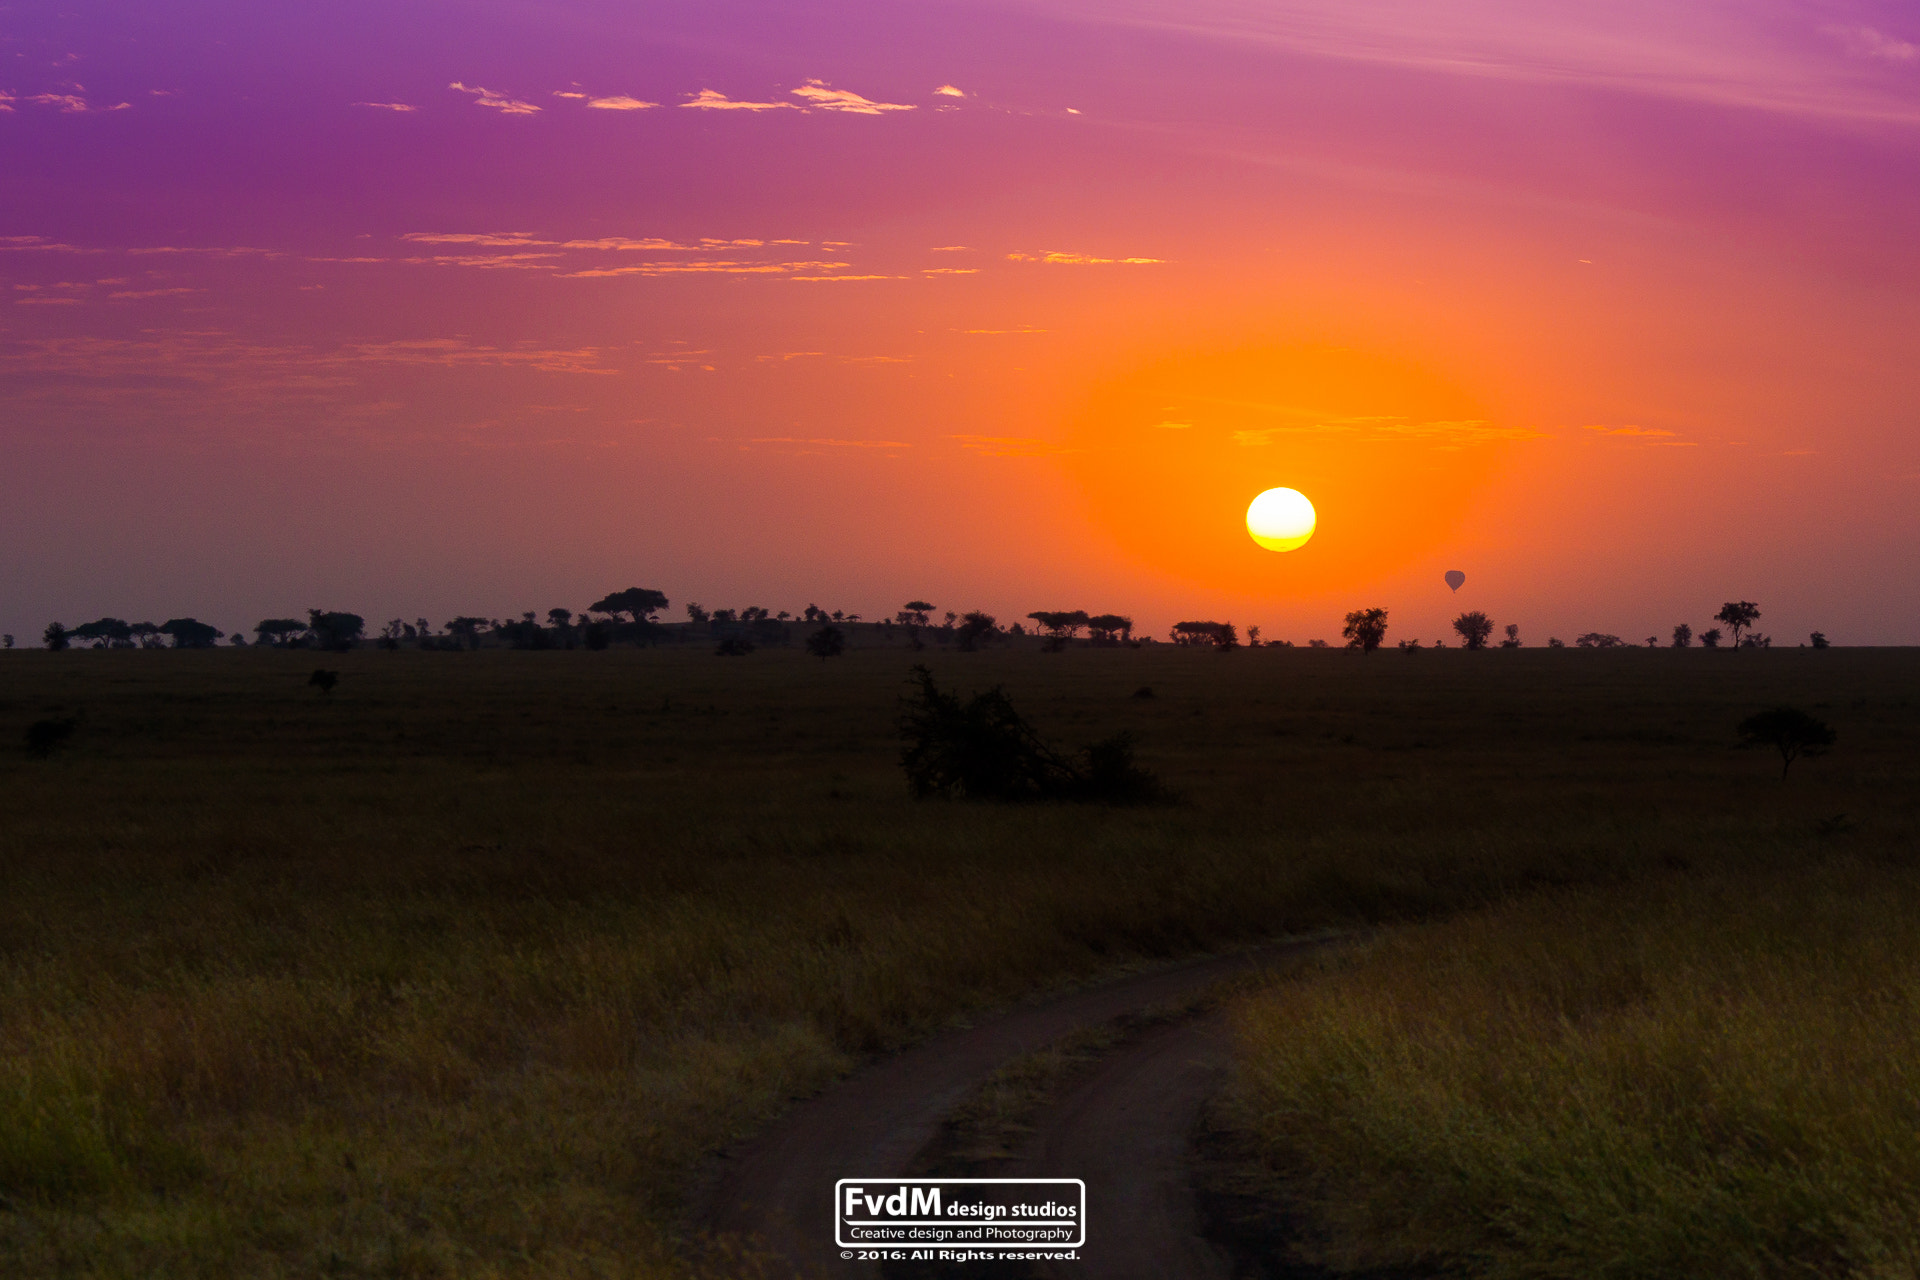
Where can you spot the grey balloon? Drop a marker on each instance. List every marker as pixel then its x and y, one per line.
pixel 1455 578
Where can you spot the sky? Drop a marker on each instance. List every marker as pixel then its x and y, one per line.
pixel 430 309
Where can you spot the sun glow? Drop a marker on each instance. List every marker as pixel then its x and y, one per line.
pixel 1280 519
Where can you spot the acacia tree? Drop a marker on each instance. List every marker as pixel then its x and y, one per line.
pixel 276 631
pixel 1474 627
pixel 975 629
pixel 1109 628
pixel 1365 629
pixel 1738 615
pixel 640 602
pixel 191 633
pixel 1788 730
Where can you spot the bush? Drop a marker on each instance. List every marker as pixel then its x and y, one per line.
pixel 44 737
pixel 983 749
pixel 733 647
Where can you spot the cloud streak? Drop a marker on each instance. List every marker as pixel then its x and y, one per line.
pixel 484 97
pixel 824 98
pixel 713 100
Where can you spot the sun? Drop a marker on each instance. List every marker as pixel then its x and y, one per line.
pixel 1280 519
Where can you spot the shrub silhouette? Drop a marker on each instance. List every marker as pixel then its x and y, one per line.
pixel 1790 731
pixel 827 642
pixel 1474 627
pixel 1365 629
pixel 323 680
pixel 983 749
pixel 44 737
pixel 733 647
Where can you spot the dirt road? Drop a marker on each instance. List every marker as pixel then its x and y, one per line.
pixel 1124 1129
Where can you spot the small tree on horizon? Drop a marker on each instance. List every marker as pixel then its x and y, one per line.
pixel 1738 615
pixel 1710 638
pixel 1513 636
pixel 975 629
pixel 1473 627
pixel 54 637
pixel 1365 629
pixel 1818 639
pixel 1682 637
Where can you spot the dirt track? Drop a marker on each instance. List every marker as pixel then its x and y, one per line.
pixel 1124 1129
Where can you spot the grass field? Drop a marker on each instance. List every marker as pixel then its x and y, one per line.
pixel 460 969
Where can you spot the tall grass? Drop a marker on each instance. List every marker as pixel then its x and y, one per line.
pixel 1685 1078
pixel 460 970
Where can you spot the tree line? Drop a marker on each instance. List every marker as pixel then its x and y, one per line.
pixel 632 616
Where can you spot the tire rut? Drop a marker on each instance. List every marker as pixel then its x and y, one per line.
pixel 1132 1117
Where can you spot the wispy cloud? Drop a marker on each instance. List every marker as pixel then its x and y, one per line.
pixel 950 91
pixel 73 103
pixel 619 102
pixel 829 442
pixel 1438 433
pixel 707 266
pixel 6 100
pixel 1753 55
pixel 951 248
pixel 1081 260
pixel 1011 446
pixel 152 293
pixel 1865 42
pixel 713 100
pixel 949 271
pixel 492 239
pixel 838 279
pixel 1642 435
pixel 824 98
pixel 388 106
pixel 491 261
pixel 500 102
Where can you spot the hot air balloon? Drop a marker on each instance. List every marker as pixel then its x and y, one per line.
pixel 1455 578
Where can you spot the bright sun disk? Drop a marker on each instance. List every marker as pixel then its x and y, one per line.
pixel 1280 519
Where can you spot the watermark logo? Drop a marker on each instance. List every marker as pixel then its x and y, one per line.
pixel 959 1219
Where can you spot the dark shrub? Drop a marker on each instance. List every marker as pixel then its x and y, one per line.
pixel 44 737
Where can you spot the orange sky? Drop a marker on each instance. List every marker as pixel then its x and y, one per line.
pixel 406 315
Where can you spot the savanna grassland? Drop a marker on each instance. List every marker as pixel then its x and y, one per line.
pixel 460 969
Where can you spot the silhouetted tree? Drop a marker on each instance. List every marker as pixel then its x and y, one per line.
pixel 191 633
pixel 1756 641
pixel 6 641
pixel 1682 636
pixel 733 647
pixel 1253 637
pixel 323 680
pixel 55 636
pixel 559 619
pixel 147 634
pixel 277 631
pixel 695 614
pixel 104 631
pixel 335 631
pixel 527 633
pixel 1555 642
pixel 1365 629
pixel 641 603
pixel 1598 640
pixel 1819 639
pixel 1738 615
pixel 1790 731
pixel 390 634
pixel 596 635
pixel 1474 627
pixel 1219 634
pixel 1710 638
pixel 1110 628
pixel 466 629
pixel 1513 636
pixel 827 642
pixel 975 630
pixel 916 612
